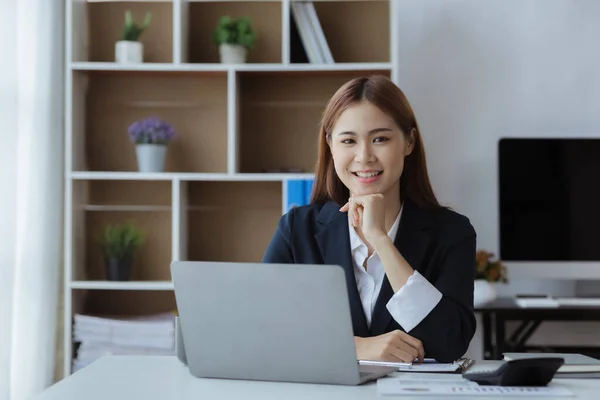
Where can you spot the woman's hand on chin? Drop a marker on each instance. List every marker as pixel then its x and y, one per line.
pixel 367 212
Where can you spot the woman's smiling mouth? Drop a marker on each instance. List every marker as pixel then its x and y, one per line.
pixel 367 176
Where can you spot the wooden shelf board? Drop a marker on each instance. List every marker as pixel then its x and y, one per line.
pixel 187 176
pixel 129 1
pixel 160 67
pixel 224 68
pixel 109 175
pixel 234 1
pixel 333 1
pixel 143 208
pixel 129 285
pixel 292 67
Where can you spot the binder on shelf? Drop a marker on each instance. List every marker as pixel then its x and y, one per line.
pixel 308 185
pixel 298 192
pixel 317 31
pixel 295 194
pixel 311 33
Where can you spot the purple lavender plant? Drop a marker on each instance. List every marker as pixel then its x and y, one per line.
pixel 151 130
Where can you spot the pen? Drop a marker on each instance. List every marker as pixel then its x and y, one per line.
pixel 385 364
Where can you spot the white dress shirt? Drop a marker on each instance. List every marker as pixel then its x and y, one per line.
pixel 409 305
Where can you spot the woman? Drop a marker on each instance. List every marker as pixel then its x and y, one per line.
pixel 409 262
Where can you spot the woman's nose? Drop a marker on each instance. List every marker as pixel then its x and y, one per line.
pixel 364 153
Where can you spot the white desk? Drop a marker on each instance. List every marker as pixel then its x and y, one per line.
pixel 163 377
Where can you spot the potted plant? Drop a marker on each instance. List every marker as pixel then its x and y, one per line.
pixel 234 37
pixel 129 49
pixel 118 244
pixel 487 273
pixel 151 137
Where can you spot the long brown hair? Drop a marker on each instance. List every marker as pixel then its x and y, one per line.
pixel 384 94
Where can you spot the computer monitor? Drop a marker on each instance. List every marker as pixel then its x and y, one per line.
pixel 549 203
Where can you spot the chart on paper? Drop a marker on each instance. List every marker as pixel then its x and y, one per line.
pixel 395 386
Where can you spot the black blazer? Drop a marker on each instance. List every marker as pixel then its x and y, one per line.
pixel 439 243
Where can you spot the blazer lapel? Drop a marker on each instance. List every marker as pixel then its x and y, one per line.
pixel 411 240
pixel 334 242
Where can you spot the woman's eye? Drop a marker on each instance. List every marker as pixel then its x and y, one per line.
pixel 380 139
pixel 347 141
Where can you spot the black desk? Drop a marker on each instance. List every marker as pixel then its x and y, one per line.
pixel 497 313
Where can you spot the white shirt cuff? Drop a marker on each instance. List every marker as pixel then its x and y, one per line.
pixel 413 302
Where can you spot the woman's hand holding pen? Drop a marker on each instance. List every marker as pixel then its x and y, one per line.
pixel 368 214
pixel 395 346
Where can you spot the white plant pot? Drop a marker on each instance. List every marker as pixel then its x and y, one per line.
pixel 128 52
pixel 151 157
pixel 232 54
pixel 484 292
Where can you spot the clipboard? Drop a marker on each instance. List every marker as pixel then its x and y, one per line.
pixel 428 365
pixel 464 364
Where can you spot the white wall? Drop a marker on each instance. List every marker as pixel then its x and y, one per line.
pixel 476 71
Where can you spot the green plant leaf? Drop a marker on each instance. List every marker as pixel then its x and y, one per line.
pixel 128 18
pixel 243 26
pixel 132 32
pixel 120 240
pixel 225 20
pixel 234 31
pixel 147 20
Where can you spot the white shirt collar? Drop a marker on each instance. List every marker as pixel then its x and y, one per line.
pixel 356 242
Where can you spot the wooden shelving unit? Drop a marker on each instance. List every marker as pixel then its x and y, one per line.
pixel 215 201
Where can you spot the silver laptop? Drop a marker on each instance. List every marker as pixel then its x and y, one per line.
pixel 270 322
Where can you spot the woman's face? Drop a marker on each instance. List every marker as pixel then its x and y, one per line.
pixel 368 150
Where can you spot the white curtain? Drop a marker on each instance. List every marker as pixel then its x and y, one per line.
pixel 31 161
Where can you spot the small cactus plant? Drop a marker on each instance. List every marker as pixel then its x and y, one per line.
pixel 132 32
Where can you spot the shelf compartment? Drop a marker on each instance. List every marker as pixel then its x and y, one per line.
pixel 195 103
pixel 123 302
pixel 152 259
pixel 146 204
pixel 141 194
pixel 357 31
pixel 105 20
pixel 91 339
pixel 203 18
pixel 231 221
pixel 282 111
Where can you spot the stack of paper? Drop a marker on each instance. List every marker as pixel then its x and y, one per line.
pixel 579 301
pixel 99 336
pixel 537 302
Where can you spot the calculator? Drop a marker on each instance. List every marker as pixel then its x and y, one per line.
pixel 537 371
